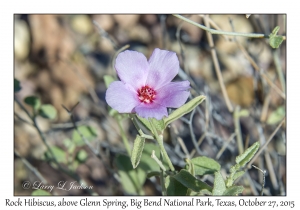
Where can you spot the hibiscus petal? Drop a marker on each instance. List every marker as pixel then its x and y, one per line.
pixel 163 67
pixel 173 94
pixel 121 98
pixel 132 68
pixel 152 110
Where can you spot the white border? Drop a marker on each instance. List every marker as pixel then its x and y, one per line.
pixel 154 6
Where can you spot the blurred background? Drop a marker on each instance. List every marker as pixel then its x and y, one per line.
pixel 61 59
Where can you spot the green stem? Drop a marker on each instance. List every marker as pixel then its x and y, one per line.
pixel 279 69
pixel 124 138
pixel 158 161
pixel 213 31
pixel 136 125
pixel 162 178
pixel 238 132
pixel 160 142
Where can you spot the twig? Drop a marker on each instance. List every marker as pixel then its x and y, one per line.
pixel 181 142
pixel 251 183
pixel 238 132
pixel 264 179
pixel 69 173
pixel 277 63
pixel 273 85
pixel 115 56
pixel 103 33
pixel 198 143
pixel 214 24
pixel 23 120
pixel 213 31
pixel 271 170
pixel 264 111
pixel 225 145
pixel 32 168
pixel 265 145
pixel 256 67
pixel 193 135
pixel 217 68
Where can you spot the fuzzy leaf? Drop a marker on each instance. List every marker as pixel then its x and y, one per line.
pixel 131 179
pixel 237 175
pixel 186 108
pixel 87 131
pixel 17 86
pixel 137 150
pixel 204 165
pixel 276 116
pixel 59 154
pixel 47 111
pixel 108 80
pixel 233 191
pixel 219 184
pixel 33 101
pixel 158 124
pixel 40 193
pixel 82 155
pixel 188 180
pixel 174 188
pixel 274 39
pixel 190 166
pixel 244 158
pixel 153 173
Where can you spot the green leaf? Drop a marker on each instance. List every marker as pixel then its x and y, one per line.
pixel 186 108
pixel 276 116
pixel 190 166
pixel 17 86
pixel 82 155
pixel 244 113
pixel 204 165
pixel 234 190
pixel 48 111
pixel 59 154
pixel 174 188
pixel 67 142
pixel 147 163
pixel 40 193
pixel 33 101
pixel 158 124
pixel 202 192
pixel 247 155
pixel 274 39
pixel 108 80
pixel 137 150
pixel 153 173
pixel 131 179
pixel 237 175
pixel 219 184
pixel 87 131
pixel 189 181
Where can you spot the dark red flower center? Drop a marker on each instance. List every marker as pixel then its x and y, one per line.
pixel 146 94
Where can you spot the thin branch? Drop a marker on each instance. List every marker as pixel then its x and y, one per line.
pixel 217 68
pixel 104 34
pixel 265 145
pixel 32 168
pixel 213 31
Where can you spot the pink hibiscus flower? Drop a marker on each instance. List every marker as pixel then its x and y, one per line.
pixel 145 87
